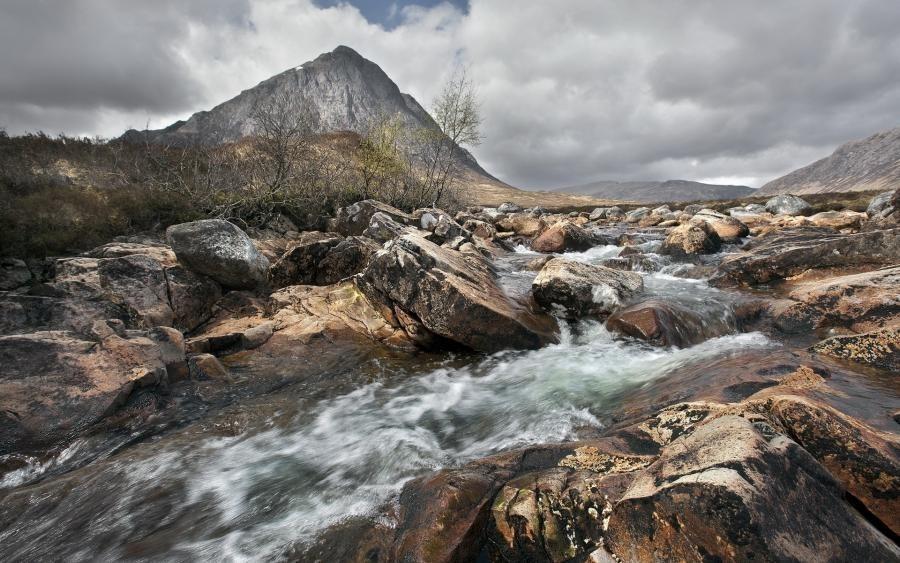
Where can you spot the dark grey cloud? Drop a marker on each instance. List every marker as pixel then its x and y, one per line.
pixel 571 91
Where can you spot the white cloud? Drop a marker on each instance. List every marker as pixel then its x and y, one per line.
pixel 571 91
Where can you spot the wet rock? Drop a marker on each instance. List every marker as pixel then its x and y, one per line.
pixel 219 250
pixel 575 289
pixel 632 263
pixel 206 366
pixel 536 264
pixel 55 384
pixel 728 228
pixel 14 273
pixel 453 294
pixel 691 239
pixel 791 252
pixel 522 224
pixel 554 515
pixel 563 236
pixel 879 348
pixel 710 496
pixel 838 220
pixel 661 323
pixel 787 204
pixel 861 302
pixel 354 219
pixel 863 461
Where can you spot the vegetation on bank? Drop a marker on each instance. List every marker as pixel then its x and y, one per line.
pixel 61 195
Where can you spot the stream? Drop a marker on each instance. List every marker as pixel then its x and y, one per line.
pixel 254 480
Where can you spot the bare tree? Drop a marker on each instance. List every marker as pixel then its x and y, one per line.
pixel 457 113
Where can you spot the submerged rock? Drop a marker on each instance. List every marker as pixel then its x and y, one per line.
pixel 661 323
pixel 220 250
pixel 575 289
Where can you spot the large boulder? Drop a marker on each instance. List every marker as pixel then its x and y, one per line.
pixel 354 219
pixel 575 289
pixel 563 236
pixel 452 294
pixel 691 239
pixel 220 250
pixel 728 228
pixel 790 252
pixel 880 204
pixel 664 324
pixel 788 204
pixel 55 384
pixel 736 490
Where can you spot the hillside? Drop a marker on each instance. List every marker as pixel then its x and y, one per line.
pixel 670 190
pixel 872 163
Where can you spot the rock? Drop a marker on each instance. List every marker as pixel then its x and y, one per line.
pixel 880 203
pixel 521 224
pixel 663 324
pixel 191 297
pixel 861 302
pixel 692 208
pixel 354 219
pixel 382 228
pixel 509 208
pixel 537 211
pixel 879 348
pixel 615 212
pixel 61 307
pixel 691 239
pixel 788 205
pixel 53 385
pixel 634 262
pixel 563 236
pixel 139 281
pixel 790 252
pixel 838 220
pixel 442 226
pixel 854 453
pixel 347 258
pixel 728 228
pixel 14 273
pixel 207 366
pixel 575 289
pixel 636 215
pixel 301 263
pixel 536 264
pixel 598 213
pixel 220 250
pixel 454 295
pixel 547 516
pixel 711 493
pixel 480 229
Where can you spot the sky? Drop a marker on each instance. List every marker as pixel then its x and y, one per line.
pixel 571 91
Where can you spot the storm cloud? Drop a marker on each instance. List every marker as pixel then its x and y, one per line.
pixel 571 91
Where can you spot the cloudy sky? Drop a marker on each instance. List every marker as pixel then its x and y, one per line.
pixel 571 90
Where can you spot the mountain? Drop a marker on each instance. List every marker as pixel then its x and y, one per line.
pixel 670 190
pixel 870 164
pixel 343 89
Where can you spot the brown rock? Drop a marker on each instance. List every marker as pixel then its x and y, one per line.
pixel 664 324
pixel 563 236
pixel 880 348
pixel 690 239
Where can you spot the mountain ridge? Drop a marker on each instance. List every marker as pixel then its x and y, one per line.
pixel 872 163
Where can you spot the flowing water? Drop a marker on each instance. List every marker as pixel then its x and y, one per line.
pixel 262 476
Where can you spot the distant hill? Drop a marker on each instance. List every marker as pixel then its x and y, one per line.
pixel 670 190
pixel 870 164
